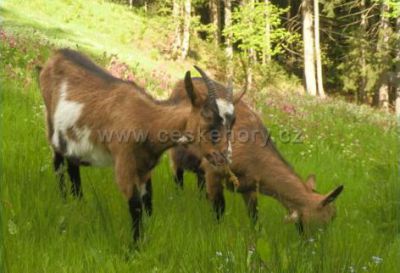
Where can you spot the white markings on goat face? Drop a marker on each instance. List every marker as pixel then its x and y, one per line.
pixel 65 118
pixel 226 112
pixel 225 109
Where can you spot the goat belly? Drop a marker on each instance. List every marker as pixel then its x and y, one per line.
pixel 97 157
pixel 82 150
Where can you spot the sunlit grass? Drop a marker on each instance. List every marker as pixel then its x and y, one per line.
pixel 98 27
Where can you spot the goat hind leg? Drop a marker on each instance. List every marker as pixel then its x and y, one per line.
pixel 250 199
pixel 58 165
pixel 75 176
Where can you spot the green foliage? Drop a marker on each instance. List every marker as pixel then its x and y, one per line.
pixel 358 56
pixel 351 71
pixel 248 28
pixel 196 26
pixel 393 8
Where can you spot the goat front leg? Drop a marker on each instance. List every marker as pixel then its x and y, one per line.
pixel 200 179
pixel 129 184
pixel 250 199
pixel 215 191
pixel 176 168
pixel 147 195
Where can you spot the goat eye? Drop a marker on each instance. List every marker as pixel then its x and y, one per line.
pixel 214 136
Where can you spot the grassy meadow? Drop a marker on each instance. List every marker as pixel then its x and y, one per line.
pixel 340 142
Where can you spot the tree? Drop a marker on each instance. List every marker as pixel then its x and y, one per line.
pixel 254 43
pixel 320 84
pixel 266 56
pixel 384 54
pixel 308 40
pixel 252 52
pixel 186 29
pixel 215 14
pixel 176 16
pixel 228 37
pixel 363 62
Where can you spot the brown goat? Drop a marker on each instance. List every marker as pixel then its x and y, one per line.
pixel 259 167
pixel 96 119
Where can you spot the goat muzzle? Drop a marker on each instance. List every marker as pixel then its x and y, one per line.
pixel 217 159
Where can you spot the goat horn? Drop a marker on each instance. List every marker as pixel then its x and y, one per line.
pixel 210 84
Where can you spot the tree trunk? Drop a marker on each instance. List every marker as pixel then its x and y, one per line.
pixel 186 29
pixel 397 76
pixel 228 38
pixel 176 15
pixel 266 57
pixel 252 55
pixel 320 82
pixel 249 75
pixel 289 11
pixel 215 12
pixel 308 40
pixel 383 50
pixel 363 62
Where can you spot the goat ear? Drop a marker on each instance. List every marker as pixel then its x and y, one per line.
pixel 310 182
pixel 239 96
pixel 293 217
pixel 189 88
pixel 330 197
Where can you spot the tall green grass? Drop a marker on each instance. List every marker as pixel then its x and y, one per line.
pixel 340 143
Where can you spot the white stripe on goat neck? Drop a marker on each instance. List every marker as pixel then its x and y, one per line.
pixel 225 108
pixel 65 116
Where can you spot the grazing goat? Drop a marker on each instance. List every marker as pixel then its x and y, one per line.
pixel 96 119
pixel 259 167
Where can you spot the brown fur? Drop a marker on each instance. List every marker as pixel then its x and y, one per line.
pixel 260 168
pixel 114 105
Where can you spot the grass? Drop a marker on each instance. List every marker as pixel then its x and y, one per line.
pixel 98 27
pixel 341 143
